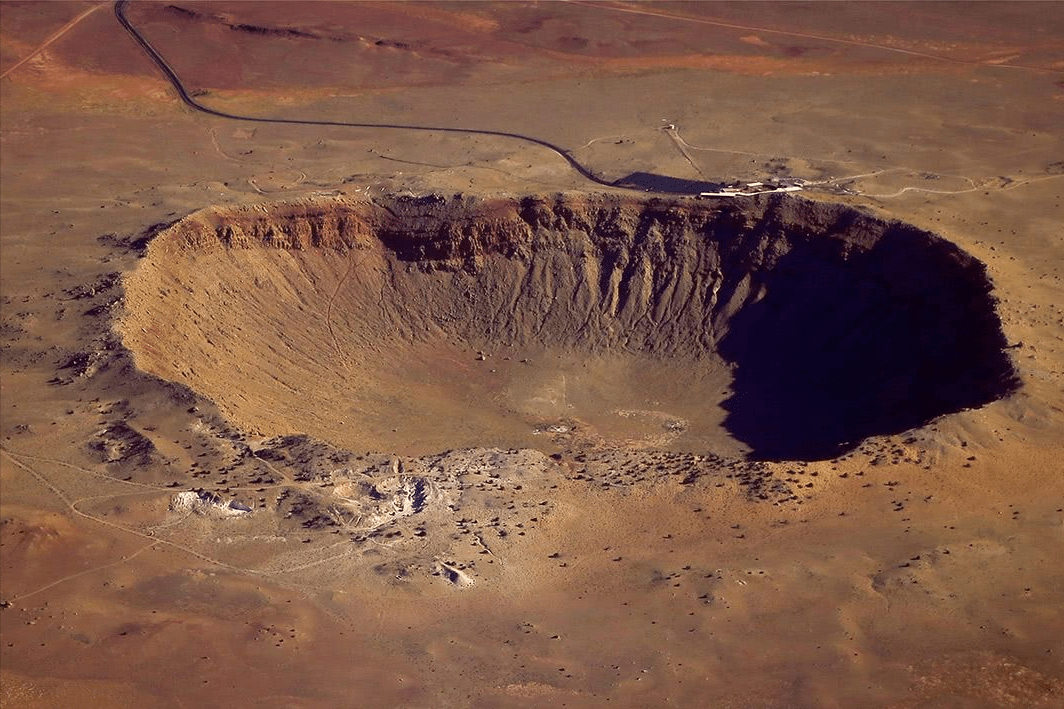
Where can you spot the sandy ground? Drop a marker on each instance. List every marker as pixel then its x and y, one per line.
pixel 922 570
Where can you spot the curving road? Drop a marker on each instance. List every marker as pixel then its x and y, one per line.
pixel 192 103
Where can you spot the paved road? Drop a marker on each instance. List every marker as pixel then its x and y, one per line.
pixel 191 102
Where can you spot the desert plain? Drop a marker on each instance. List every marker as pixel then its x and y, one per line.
pixel 416 375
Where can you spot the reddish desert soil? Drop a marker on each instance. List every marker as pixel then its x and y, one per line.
pixel 502 437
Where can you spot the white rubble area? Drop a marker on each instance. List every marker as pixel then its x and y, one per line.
pixel 203 502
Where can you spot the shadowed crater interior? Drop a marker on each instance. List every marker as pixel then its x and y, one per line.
pixel 776 327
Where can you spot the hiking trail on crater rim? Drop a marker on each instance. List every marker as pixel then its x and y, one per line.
pixel 779 327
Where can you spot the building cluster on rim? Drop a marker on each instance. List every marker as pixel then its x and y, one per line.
pixel 750 189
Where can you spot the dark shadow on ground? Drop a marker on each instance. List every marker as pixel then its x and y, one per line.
pixel 843 347
pixel 650 182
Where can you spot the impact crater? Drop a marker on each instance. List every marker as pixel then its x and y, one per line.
pixel 776 327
